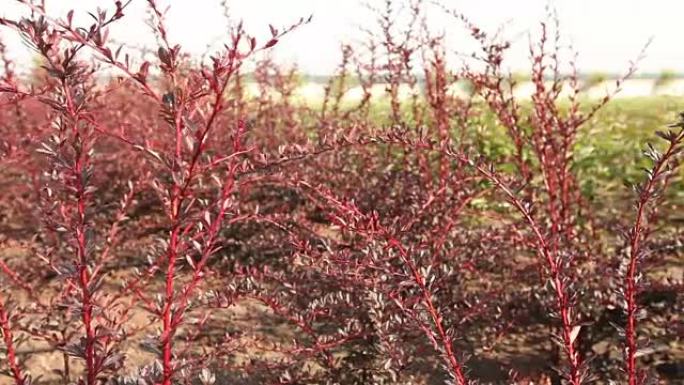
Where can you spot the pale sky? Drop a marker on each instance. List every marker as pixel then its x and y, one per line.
pixel 606 33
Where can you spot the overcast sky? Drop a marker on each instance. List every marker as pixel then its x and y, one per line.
pixel 606 33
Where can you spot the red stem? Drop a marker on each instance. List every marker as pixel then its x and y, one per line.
pixel 9 345
pixel 635 249
pixel 84 278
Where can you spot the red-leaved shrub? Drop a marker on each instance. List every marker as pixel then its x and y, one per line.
pixel 162 226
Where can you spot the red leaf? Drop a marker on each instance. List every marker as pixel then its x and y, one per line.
pixel 271 43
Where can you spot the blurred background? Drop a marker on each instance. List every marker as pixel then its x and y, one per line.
pixel 607 34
